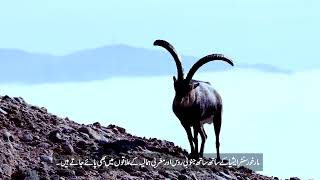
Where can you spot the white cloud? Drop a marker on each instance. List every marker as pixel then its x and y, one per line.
pixel 276 114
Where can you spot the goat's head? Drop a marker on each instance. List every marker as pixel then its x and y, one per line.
pixel 183 85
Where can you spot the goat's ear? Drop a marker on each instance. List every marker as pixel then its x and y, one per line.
pixel 174 79
pixel 194 85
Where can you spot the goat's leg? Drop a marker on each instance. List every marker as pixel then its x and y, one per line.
pixel 196 129
pixel 190 138
pixel 205 134
pixel 203 140
pixel 217 127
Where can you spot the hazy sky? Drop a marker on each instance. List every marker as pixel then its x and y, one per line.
pixel 270 31
pixel 264 112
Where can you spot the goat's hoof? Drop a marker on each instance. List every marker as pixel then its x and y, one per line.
pixel 218 160
pixel 193 156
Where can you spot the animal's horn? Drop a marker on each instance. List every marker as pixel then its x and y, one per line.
pixel 173 53
pixel 204 60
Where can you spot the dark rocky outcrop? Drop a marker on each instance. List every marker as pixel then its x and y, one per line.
pixel 31 140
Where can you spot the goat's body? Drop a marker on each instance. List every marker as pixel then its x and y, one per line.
pixel 201 105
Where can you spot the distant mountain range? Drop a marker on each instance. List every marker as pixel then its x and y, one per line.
pixel 98 64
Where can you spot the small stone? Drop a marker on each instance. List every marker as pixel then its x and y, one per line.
pixel 17 121
pixel 82 144
pixel 19 100
pixel 121 130
pixel 34 107
pixel 97 124
pixel 54 177
pixel 227 176
pixel 182 177
pixel 84 136
pixel 139 142
pixel 3 111
pixel 183 171
pixel 117 128
pixel 44 109
pixel 44 145
pixel 194 177
pixel 164 173
pixel 31 175
pixel 27 137
pixel 55 136
pixel 245 170
pixel 102 142
pixel 26 174
pixel 6 97
pixel 7 136
pixel 6 169
pixel 84 129
pixel 92 133
pixel 68 148
pixel 65 172
pixel 80 172
pixel 294 178
pixel 46 158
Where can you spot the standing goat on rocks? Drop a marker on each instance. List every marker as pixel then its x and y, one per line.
pixel 196 102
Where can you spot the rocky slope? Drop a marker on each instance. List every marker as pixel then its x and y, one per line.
pixel 35 144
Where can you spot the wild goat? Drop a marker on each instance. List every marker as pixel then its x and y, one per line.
pixel 196 102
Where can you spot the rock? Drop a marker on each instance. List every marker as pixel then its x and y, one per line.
pixel 102 142
pixel 92 133
pixel 84 129
pixel 17 121
pixel 68 149
pixel 55 136
pixel 294 178
pixel 27 137
pixel 43 109
pixel 183 177
pixel 194 177
pixel 218 177
pixel 25 174
pixel 54 120
pixel 7 136
pixel 34 107
pixel 164 173
pixel 245 169
pixel 82 144
pixel 44 167
pixel 66 129
pixel 6 97
pixel 227 176
pixel 31 175
pixel 65 172
pixel 19 100
pixel 5 169
pixel 80 172
pixel 139 142
pixel 44 145
pixel 3 111
pixel 54 177
pixel 97 124
pixel 117 129
pixel 46 158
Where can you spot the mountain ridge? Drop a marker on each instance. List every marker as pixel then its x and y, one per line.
pixel 100 63
pixel 32 142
